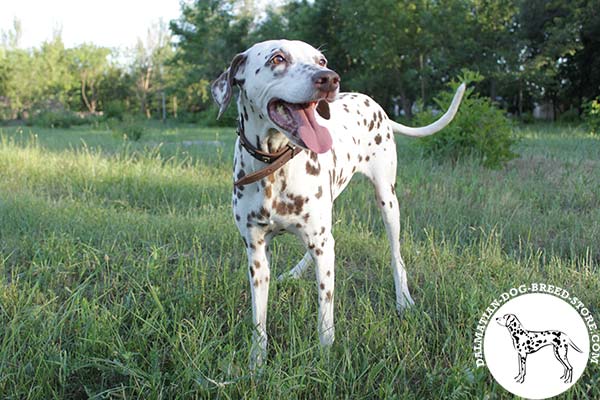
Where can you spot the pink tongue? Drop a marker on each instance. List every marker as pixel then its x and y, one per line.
pixel 314 136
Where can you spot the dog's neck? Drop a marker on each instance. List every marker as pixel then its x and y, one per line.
pixel 257 127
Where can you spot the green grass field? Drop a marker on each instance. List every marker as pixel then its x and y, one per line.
pixel 123 275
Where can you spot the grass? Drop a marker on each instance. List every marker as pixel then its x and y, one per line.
pixel 123 275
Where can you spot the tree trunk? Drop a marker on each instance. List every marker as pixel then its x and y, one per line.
pixel 84 96
pixel 406 104
pixel 164 107
pixel 422 79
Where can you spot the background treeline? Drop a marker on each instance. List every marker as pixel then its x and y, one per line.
pixel 400 52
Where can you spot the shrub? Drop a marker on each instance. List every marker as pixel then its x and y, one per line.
pixel 56 119
pixel 591 112
pixel 570 116
pixel 208 117
pixel 130 129
pixel 479 129
pixel 114 109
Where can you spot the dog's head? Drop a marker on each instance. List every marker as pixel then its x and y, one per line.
pixel 289 82
pixel 508 320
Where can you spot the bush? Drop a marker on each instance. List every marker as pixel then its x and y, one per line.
pixel 571 116
pixel 479 129
pixel 208 117
pixel 56 119
pixel 114 109
pixel 129 130
pixel 591 112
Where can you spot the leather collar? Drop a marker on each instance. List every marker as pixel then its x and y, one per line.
pixel 274 161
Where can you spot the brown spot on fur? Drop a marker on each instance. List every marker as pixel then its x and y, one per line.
pixel 313 156
pixel 271 178
pixel 294 206
pixel 256 282
pixel 328 273
pixel 268 192
pixel 257 264
pixel 329 296
pixel 237 217
pixel 318 252
pixel 312 170
pixel 319 192
pixel 322 286
pixel 371 124
pixel 378 139
pixel 322 230
pixel 252 272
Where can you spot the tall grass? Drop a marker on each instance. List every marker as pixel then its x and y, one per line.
pixel 123 275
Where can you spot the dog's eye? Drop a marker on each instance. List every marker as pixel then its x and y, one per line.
pixel 322 62
pixel 277 59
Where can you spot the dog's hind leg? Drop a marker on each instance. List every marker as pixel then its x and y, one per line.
pixel 565 367
pixel 561 354
pixel 299 269
pixel 384 183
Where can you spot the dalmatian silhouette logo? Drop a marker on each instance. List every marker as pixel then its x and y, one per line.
pixel 528 342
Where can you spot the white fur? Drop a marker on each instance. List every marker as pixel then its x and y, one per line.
pixel 299 197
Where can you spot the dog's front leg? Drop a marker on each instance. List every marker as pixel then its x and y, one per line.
pixel 321 247
pixel 259 275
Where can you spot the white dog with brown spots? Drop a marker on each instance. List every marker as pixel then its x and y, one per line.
pixel 300 143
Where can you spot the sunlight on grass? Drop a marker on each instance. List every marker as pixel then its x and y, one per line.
pixel 123 274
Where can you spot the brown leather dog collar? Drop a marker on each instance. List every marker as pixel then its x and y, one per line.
pixel 274 161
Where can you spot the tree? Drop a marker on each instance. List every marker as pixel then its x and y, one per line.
pixel 150 61
pixel 90 62
pixel 209 34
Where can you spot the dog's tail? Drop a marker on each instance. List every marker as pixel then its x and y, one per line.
pixel 573 346
pixel 437 125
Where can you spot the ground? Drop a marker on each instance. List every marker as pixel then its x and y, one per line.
pixel 123 275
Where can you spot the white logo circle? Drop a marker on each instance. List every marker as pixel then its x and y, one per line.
pixel 536 346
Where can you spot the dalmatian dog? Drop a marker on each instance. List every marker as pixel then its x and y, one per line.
pixel 289 101
pixel 528 342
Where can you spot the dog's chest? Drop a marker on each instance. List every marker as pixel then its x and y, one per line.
pixel 294 196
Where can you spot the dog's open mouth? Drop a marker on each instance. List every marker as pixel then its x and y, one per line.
pixel 300 121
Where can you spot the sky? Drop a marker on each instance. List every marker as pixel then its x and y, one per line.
pixel 109 23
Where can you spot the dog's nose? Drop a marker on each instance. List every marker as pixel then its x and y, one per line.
pixel 326 81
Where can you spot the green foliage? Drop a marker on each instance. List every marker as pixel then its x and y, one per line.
pixel 114 109
pixel 592 115
pixel 130 129
pixel 479 129
pixel 58 119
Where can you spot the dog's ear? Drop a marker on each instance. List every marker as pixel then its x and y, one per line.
pixel 222 87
